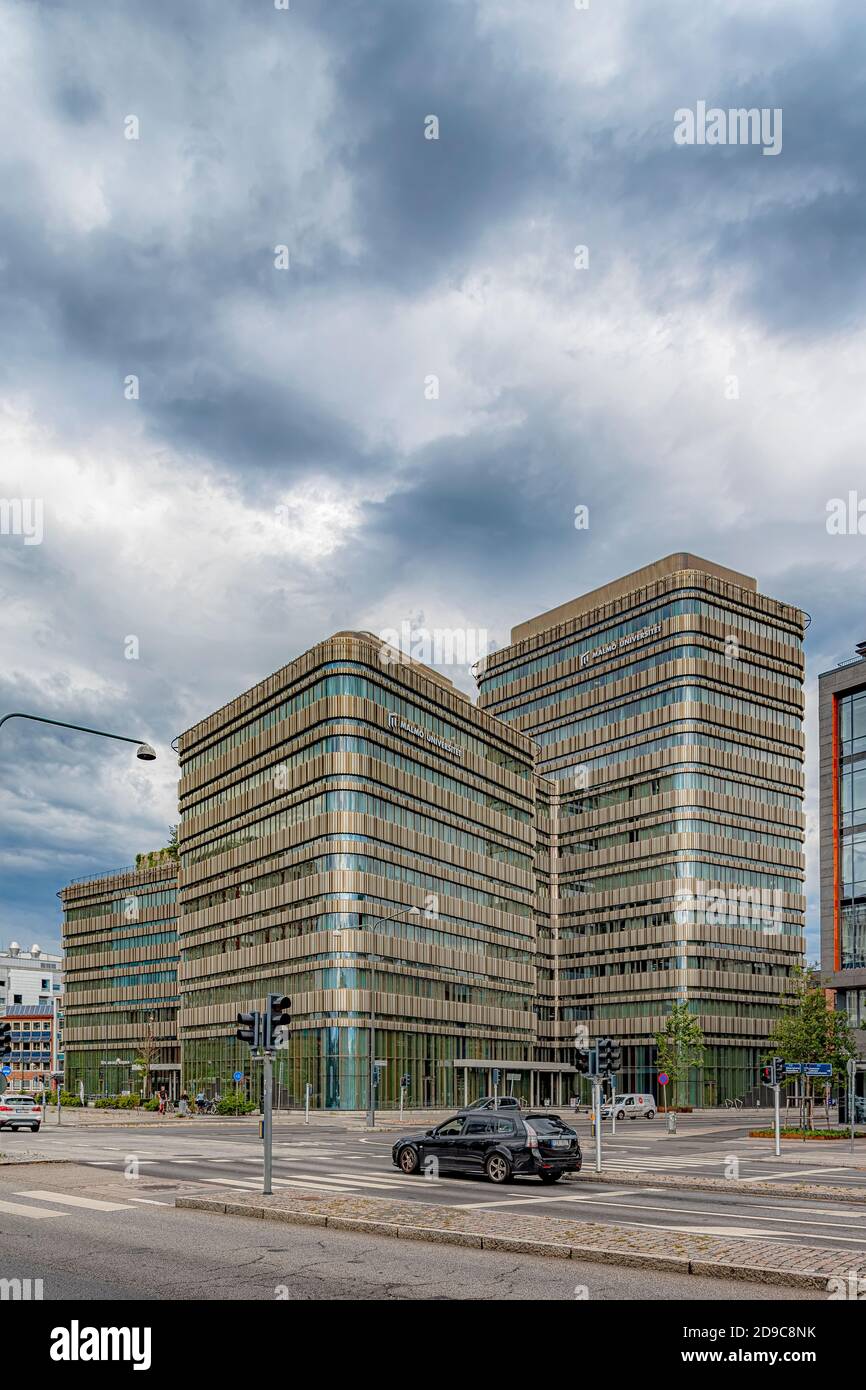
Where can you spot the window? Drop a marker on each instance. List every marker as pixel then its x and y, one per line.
pixel 449 1128
pixel 479 1127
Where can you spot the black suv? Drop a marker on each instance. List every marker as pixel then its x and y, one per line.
pixel 496 1144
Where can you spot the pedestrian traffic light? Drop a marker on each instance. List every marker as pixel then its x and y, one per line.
pixel 778 1070
pixel 250 1029
pixel 5 1041
pixel 615 1057
pixel 767 1075
pixel 582 1062
pixel 277 1016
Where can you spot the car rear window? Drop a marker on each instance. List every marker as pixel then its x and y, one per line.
pixel 548 1124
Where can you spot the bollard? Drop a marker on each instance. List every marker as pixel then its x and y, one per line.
pixel 672 1123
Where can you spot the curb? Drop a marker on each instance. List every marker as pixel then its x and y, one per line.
pixel 21 1160
pixel 706 1267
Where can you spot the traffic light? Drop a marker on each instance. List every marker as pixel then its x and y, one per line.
pixel 496 1075
pixel 778 1070
pixel 603 1054
pixel 767 1075
pixel 250 1029
pixel 405 1081
pixel 5 1041
pixel 582 1063
pixel 278 1016
pixel 615 1057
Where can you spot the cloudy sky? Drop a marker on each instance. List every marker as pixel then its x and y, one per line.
pixel 282 466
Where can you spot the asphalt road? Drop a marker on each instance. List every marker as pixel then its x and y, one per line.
pixel 205 1155
pixel 86 1236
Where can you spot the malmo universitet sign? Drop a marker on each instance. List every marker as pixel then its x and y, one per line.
pixel 402 726
pixel 621 643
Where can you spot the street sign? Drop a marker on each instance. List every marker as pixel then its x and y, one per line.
pixel 237 1076
pixel 818 1069
pixel 663 1078
pixel 6 1069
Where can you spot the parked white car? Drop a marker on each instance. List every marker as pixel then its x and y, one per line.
pixel 19 1112
pixel 628 1107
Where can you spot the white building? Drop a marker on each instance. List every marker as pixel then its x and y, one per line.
pixel 29 977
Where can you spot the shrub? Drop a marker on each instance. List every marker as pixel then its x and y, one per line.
pixel 235 1105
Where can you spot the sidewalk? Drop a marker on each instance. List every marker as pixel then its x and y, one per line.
pixel 757 1261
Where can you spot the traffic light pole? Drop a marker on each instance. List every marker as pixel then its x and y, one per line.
pixel 777 1121
pixel 596 1100
pixel 267 1119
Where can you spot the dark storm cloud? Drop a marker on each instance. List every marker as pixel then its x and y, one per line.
pixel 306 127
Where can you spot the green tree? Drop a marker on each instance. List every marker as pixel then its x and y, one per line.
pixel 810 1031
pixel 680 1046
pixel 146 1054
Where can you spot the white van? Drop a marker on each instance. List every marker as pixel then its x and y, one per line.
pixel 629 1106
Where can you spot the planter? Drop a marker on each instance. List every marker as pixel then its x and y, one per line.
pixel 814 1135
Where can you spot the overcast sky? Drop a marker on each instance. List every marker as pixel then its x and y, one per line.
pixel 284 471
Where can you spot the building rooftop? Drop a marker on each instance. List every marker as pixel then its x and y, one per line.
pixel 638 579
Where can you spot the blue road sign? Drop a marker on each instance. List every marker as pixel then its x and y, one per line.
pixel 818 1069
pixel 7 1070
pixel 238 1075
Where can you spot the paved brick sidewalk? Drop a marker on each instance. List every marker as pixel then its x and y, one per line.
pixel 759 1261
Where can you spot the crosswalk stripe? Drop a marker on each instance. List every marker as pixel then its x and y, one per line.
pixel 66 1199
pixel 35 1213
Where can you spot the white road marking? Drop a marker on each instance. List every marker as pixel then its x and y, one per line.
pixel 539 1196
pixel 68 1200
pixel 36 1213
pixel 151 1202
pixel 800 1173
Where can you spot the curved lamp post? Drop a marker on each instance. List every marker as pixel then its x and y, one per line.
pixel 144 750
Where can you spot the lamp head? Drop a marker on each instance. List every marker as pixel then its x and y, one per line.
pixel 145 753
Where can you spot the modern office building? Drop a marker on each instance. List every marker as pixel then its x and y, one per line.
pixel 356 834
pixel 29 977
pixel 447 889
pixel 121 992
pixel 32 1057
pixel 842 747
pixel 666 710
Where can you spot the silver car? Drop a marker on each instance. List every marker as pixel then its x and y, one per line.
pixel 19 1112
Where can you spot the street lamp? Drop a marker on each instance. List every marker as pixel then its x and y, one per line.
pixel 143 751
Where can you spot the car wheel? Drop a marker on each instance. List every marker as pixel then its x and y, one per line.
pixel 649 1114
pixel 620 1114
pixel 408 1160
pixel 550 1177
pixel 35 1129
pixel 498 1168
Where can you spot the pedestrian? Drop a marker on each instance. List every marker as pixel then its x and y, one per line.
pixel 162 1100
